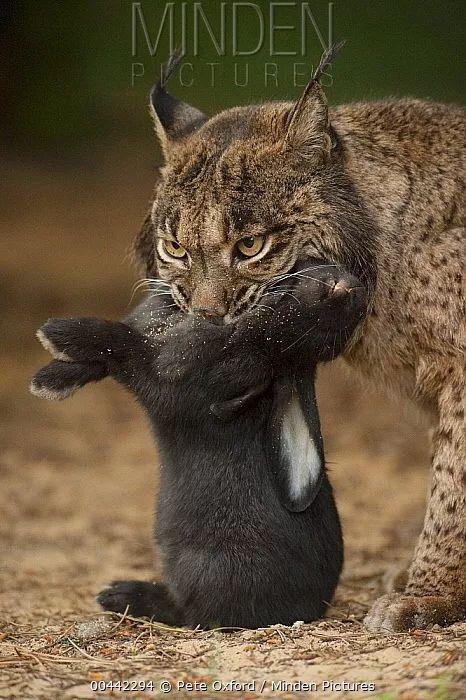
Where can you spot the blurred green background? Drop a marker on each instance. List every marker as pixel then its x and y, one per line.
pixel 67 80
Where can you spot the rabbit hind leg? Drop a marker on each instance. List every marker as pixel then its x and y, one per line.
pixel 141 599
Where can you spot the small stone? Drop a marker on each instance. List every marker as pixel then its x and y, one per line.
pixel 297 625
pixel 89 629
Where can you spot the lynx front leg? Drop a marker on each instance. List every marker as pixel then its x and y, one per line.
pixel 436 588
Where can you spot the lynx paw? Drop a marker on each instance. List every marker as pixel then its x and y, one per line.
pixel 398 612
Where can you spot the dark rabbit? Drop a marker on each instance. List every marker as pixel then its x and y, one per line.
pixel 246 521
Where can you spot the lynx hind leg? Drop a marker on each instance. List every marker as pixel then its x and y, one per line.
pixel 58 379
pixel 141 599
pixel 436 588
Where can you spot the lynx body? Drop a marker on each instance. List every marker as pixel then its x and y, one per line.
pixel 378 187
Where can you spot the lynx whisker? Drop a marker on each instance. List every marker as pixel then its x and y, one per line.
pixel 298 273
pixel 156 293
pixel 307 277
pixel 263 306
pixel 300 338
pixel 150 283
pixel 280 293
pixel 167 306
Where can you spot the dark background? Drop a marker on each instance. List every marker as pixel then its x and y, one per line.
pixel 67 80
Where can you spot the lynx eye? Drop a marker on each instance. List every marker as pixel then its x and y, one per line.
pixel 173 249
pixel 249 246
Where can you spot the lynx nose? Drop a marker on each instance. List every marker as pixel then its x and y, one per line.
pixel 210 312
pixel 209 299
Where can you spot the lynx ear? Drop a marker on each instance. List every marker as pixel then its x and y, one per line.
pixel 173 119
pixel 307 126
pixel 307 132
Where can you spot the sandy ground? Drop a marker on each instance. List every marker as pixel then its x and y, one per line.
pixel 79 477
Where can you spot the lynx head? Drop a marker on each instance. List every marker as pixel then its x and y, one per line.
pixel 243 197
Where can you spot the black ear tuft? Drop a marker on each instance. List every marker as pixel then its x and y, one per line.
pixel 327 60
pixel 173 118
pixel 169 68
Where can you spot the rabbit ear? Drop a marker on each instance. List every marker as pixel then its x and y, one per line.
pixel 297 452
pixel 227 410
